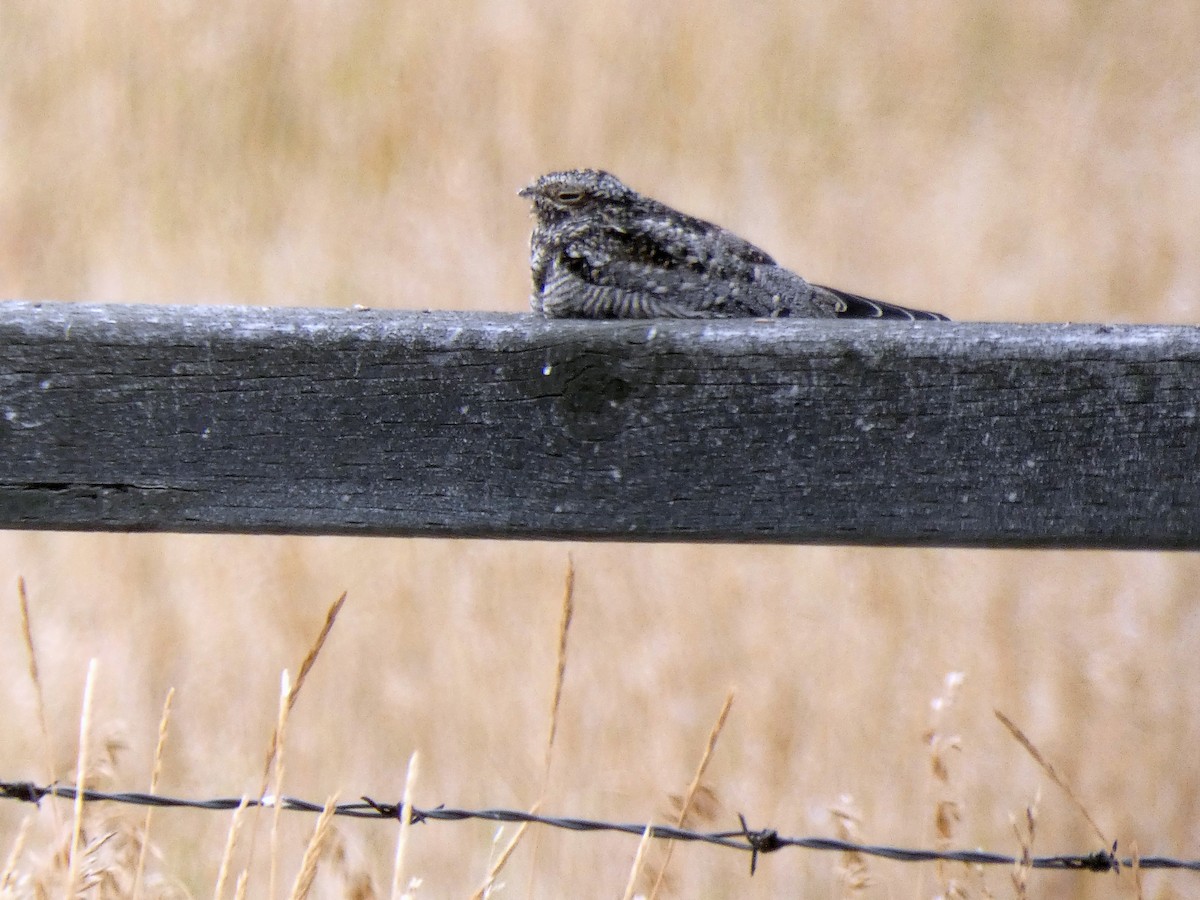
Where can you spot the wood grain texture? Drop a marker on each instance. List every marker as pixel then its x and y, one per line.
pixel 313 421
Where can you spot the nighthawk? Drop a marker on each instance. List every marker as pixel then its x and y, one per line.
pixel 601 250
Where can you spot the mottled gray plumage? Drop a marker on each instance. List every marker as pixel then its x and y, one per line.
pixel 601 250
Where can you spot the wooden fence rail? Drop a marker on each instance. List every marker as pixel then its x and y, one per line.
pixel 313 421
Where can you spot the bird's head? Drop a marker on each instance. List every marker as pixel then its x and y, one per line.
pixel 559 195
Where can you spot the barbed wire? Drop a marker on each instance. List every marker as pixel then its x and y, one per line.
pixel 754 841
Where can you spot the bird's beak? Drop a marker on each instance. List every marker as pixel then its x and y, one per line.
pixel 526 192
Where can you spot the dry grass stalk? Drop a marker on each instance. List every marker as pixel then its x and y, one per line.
pixel 406 805
pixel 853 872
pixel 694 787
pixel 163 727
pixel 638 858
pixel 1135 863
pixel 81 768
pixel 1025 837
pixel 947 808
pixel 485 888
pixel 35 678
pixel 10 864
pixel 1049 770
pixel 312 853
pixel 560 669
pixel 305 667
pixel 314 651
pixel 285 705
pixel 235 827
pixel 290 692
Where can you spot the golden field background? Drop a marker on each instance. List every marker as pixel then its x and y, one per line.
pixel 998 161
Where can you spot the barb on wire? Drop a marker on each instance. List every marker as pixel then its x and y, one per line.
pixel 755 842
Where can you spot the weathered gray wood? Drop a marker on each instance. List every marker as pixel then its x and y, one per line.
pixel 439 423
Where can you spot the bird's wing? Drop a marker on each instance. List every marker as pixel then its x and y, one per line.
pixel 689 262
pixel 622 287
pixel 679 239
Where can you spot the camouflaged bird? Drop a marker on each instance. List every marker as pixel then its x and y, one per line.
pixel 601 250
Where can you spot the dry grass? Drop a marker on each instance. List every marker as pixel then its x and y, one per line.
pixel 1011 161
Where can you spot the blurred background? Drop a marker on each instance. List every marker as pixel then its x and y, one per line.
pixel 1018 161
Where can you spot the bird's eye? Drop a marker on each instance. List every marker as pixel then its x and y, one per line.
pixel 570 197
